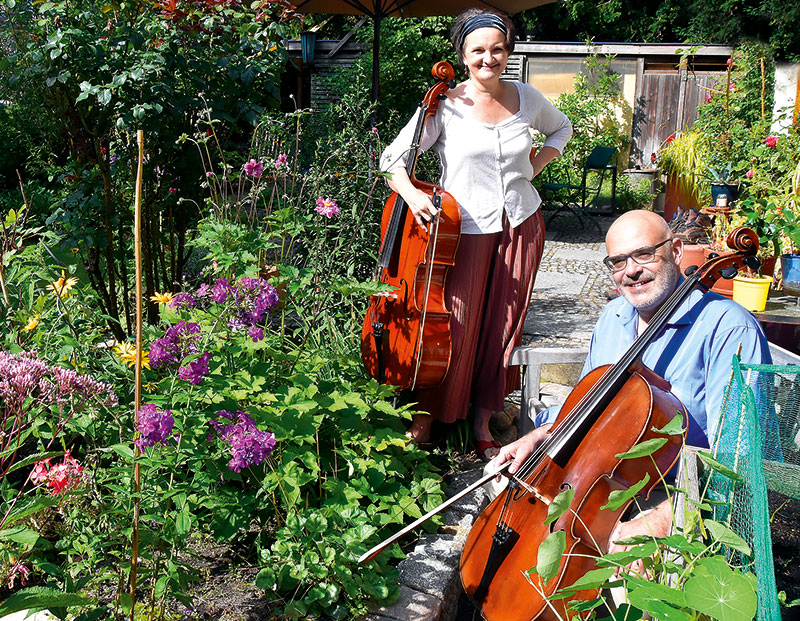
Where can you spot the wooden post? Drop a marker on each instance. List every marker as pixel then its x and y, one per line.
pixel 137 399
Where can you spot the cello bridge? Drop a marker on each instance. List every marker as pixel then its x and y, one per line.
pixel 532 491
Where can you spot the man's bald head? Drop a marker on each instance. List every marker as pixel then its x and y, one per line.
pixel 640 228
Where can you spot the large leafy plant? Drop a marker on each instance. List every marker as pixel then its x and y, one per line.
pixel 686 574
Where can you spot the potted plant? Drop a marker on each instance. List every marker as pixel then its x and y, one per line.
pixel 682 159
pixel 724 190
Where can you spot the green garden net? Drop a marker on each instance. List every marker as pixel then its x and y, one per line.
pixel 759 439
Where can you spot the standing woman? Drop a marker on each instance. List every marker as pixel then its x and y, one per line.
pixel 482 135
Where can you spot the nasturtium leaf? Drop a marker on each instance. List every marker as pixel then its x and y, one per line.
pixel 549 556
pixel 625 612
pixel 720 592
pixel 617 498
pixel 660 601
pixel 643 449
pixel 559 506
pixel 591 580
pixel 712 463
pixel 673 427
pixel 726 536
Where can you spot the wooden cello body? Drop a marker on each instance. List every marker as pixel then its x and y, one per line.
pixel 613 409
pixel 405 338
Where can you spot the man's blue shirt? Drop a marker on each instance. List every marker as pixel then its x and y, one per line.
pixel 693 352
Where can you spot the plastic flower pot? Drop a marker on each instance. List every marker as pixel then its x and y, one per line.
pixel 751 292
pixel 790 268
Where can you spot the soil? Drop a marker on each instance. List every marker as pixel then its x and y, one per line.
pixel 785 527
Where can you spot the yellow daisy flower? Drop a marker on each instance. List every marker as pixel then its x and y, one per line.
pixel 126 353
pixel 32 323
pixel 162 298
pixel 62 286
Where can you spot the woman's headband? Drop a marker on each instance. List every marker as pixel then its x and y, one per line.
pixel 484 20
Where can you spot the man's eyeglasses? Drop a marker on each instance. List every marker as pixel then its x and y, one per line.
pixel 641 256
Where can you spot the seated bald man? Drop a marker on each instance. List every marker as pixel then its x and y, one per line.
pixel 693 352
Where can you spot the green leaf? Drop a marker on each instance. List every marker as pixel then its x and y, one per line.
pixel 591 580
pixel 661 601
pixel 643 449
pixel 40 598
pixel 718 467
pixel 673 427
pixel 726 536
pixel 549 556
pixel 265 579
pixel 33 459
pixel 618 498
pixel 720 592
pixel 20 534
pixel 559 506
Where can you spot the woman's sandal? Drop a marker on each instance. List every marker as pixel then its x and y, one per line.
pixel 485 445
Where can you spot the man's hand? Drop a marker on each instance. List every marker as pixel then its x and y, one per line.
pixel 654 523
pixel 518 452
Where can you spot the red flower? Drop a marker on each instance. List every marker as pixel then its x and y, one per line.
pixel 749 174
pixel 771 141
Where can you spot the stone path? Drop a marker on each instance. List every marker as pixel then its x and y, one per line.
pixel 569 293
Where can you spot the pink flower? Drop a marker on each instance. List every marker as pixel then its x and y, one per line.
pixel 374 130
pixel 327 207
pixel 771 141
pixel 708 98
pixel 749 174
pixel 732 87
pixel 254 168
pixel 18 568
pixel 281 160
pixel 173 190
pixel 729 62
pixel 59 478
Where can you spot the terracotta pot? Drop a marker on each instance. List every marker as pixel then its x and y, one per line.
pixel 768 265
pixel 693 254
pixel 676 196
pixel 724 286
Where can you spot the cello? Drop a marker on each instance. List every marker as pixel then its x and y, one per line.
pixel 611 410
pixel 405 338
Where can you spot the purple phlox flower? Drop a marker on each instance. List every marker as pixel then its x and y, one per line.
pixel 281 161
pixel 249 446
pixel 256 333
pixel 195 371
pixel 178 342
pixel 183 300
pixel 256 299
pixel 154 426
pixel 327 207
pixel 254 168
pixel 222 289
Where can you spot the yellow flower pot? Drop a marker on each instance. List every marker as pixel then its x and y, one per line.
pixel 751 292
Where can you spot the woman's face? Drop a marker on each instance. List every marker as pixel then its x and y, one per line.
pixel 485 54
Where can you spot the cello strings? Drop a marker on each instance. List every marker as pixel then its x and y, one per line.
pixel 429 273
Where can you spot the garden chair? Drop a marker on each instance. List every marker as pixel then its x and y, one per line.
pixel 576 198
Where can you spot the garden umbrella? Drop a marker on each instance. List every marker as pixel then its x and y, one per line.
pixel 378 9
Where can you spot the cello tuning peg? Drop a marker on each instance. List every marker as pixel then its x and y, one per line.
pixel 441 96
pixel 451 83
pixel 753 262
pixel 713 255
pixel 728 272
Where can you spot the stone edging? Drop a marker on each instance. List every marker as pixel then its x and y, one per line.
pixel 430 585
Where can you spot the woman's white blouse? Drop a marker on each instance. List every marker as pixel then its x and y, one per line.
pixel 486 167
